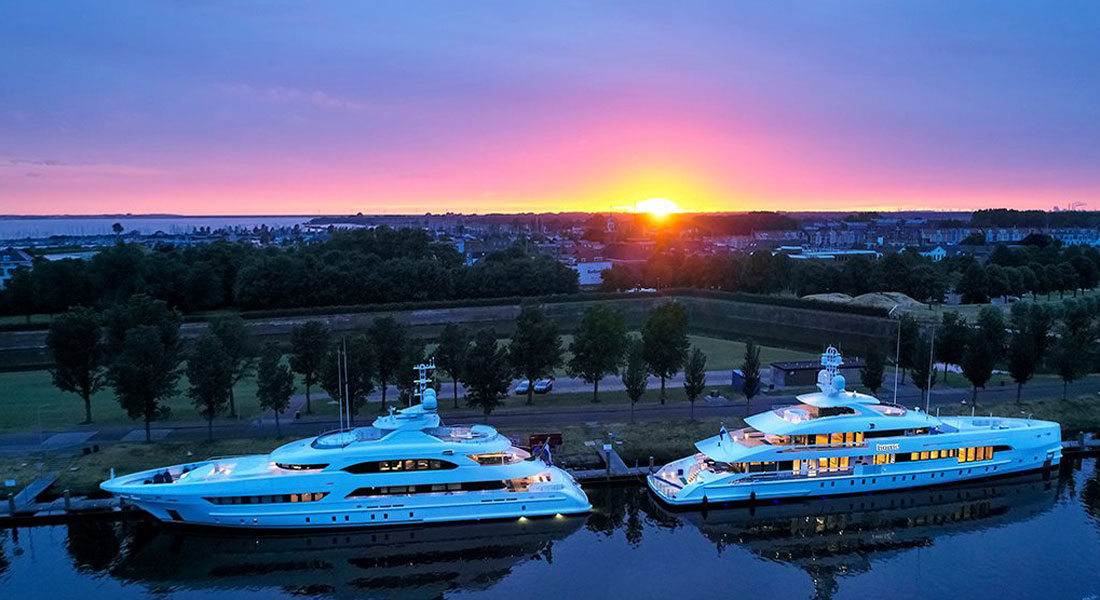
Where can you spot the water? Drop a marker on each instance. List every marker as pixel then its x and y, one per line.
pixel 1016 539
pixel 13 229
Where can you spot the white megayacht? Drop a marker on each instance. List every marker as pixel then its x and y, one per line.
pixel 837 441
pixel 406 468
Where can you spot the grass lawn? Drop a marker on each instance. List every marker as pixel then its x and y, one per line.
pixel 81 474
pixel 956 380
pixel 1075 413
pixel 722 354
pixel 29 400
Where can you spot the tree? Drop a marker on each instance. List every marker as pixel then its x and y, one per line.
pixel 750 372
pixel 389 341
pixel 450 355
pixel 239 351
pixel 535 350
pixel 975 238
pixel 951 338
pixel 599 342
pixel 1036 320
pixel 144 373
pixel 117 228
pixel 695 376
pixel 348 370
pixel 142 339
pixel 1070 361
pixel 974 285
pixel 1072 353
pixel 992 325
pixel 635 373
pixel 977 363
pixel 75 340
pixel 309 342
pixel 274 382
pixel 874 368
pixel 1021 360
pixel 909 332
pixel 210 375
pixel 665 341
pixel 487 375
pixel 922 372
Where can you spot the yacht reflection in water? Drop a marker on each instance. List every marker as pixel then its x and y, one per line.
pixel 829 538
pixel 406 562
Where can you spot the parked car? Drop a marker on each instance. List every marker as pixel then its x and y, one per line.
pixel 544 386
pixel 522 387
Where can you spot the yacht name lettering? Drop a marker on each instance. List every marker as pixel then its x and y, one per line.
pixel 887 446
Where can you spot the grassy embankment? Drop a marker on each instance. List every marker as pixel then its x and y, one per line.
pixel 81 474
pixel 29 402
pixel 664 441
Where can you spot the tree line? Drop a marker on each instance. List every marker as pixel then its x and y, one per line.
pixel 135 350
pixel 1036 270
pixel 1057 338
pixel 353 267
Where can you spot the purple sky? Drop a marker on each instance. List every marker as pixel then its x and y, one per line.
pixel 320 107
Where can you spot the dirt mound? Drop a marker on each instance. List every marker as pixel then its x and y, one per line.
pixel 878 299
pixel 887 300
pixel 839 298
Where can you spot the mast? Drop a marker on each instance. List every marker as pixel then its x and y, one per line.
pixel 340 386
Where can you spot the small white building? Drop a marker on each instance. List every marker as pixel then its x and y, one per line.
pixel 590 273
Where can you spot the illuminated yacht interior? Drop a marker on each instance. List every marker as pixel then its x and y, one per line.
pixel 837 441
pixel 406 468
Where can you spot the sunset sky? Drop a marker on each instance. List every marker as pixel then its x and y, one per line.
pixel 410 106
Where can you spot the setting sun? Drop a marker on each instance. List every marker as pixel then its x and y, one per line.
pixel 658 207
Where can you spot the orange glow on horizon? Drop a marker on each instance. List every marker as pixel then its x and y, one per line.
pixel 658 208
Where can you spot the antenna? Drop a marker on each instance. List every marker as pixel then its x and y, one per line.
pixel 347 390
pixel 897 360
pixel 931 371
pixel 340 385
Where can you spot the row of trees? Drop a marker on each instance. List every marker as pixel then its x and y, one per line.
pixel 1058 338
pixel 1038 269
pixel 353 267
pixel 136 350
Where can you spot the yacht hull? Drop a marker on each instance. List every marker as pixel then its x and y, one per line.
pixel 948 472
pixel 193 509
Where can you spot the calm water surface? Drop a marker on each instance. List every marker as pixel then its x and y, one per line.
pixel 11 229
pixel 1022 538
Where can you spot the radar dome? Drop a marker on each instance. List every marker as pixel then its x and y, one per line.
pixel 838 382
pixel 428 401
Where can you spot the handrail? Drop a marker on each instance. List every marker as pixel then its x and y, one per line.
pixel 667 482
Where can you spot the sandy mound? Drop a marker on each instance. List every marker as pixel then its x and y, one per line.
pixel 879 299
pixel 887 300
pixel 840 298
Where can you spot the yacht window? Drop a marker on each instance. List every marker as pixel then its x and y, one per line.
pixel 301 467
pixel 465 486
pixel 402 465
pixel 268 499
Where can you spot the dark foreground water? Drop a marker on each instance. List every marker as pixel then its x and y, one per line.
pixel 1023 538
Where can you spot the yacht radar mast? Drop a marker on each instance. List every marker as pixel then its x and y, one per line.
pixel 829 379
